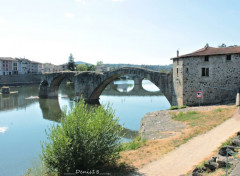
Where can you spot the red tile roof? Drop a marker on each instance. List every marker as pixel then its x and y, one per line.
pixel 209 51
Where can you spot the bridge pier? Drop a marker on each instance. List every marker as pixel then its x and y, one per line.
pixel 46 91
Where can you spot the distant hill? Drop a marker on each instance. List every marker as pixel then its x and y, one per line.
pixel 165 68
pixel 81 62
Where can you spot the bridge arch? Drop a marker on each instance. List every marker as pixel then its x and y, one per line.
pixel 157 78
pixel 50 83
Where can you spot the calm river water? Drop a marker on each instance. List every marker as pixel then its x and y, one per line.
pixel 24 118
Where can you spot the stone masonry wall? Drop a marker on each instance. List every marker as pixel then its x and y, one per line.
pixel 177 91
pixel 221 86
pixel 15 80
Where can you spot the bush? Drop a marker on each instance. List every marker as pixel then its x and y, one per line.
pixel 88 138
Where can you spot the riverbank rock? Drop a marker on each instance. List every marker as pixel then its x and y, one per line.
pixel 236 141
pixel 223 150
pixel 211 166
pixel 197 172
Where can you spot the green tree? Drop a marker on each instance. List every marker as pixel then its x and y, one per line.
pixel 82 67
pixel 87 138
pixel 223 45
pixel 91 68
pixel 99 63
pixel 71 64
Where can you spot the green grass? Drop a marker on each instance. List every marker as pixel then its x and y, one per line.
pixel 187 116
pixel 177 107
pixel 133 145
pixel 219 110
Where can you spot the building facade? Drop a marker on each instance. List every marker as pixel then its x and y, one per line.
pixel 207 76
pixel 6 65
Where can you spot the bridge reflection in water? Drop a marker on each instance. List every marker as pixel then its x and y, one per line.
pixel 51 111
pixel 51 108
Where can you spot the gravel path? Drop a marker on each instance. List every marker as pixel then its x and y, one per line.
pixel 184 158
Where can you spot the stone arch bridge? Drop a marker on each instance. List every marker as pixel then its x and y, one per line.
pixel 90 85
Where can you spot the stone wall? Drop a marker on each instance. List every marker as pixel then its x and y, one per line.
pixel 15 80
pixel 220 86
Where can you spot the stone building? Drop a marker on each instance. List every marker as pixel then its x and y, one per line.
pixel 212 72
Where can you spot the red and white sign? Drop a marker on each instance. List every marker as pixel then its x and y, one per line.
pixel 199 94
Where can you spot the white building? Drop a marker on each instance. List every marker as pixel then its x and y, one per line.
pixel 6 65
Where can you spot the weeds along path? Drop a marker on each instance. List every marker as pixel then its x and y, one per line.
pixel 188 155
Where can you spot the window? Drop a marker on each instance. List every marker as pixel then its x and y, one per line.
pixel 205 71
pixel 177 61
pixel 177 71
pixel 186 70
pixel 206 58
pixel 228 57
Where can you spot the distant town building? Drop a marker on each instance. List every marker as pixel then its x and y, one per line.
pixel 207 76
pixel 48 67
pixel 62 67
pixel 6 65
pixel 102 68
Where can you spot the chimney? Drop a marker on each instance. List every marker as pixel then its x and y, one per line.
pixel 177 53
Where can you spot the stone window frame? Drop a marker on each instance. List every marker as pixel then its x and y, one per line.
pixel 205 71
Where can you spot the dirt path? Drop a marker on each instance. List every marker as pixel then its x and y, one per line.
pixel 184 158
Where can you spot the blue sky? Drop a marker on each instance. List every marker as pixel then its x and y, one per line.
pixel 115 31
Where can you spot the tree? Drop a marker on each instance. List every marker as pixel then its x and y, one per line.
pixel 87 138
pixel 82 67
pixel 223 45
pixel 71 64
pixel 207 45
pixel 99 63
pixel 91 68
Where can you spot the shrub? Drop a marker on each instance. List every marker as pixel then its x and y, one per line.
pixel 88 138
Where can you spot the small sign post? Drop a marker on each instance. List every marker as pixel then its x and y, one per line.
pixel 199 95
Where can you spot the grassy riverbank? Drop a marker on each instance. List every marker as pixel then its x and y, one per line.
pixel 198 122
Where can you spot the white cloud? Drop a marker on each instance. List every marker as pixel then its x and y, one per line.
pixel 69 15
pixel 2 20
pixel 3 129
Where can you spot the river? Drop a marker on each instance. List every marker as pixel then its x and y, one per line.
pixel 24 118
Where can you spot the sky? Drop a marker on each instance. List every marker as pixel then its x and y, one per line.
pixel 115 31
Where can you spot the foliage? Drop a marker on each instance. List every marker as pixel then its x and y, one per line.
pixel 71 64
pixel 207 45
pixel 177 107
pixel 91 68
pixel 82 67
pixel 223 45
pixel 85 67
pixel 135 144
pixel 99 63
pixel 88 138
